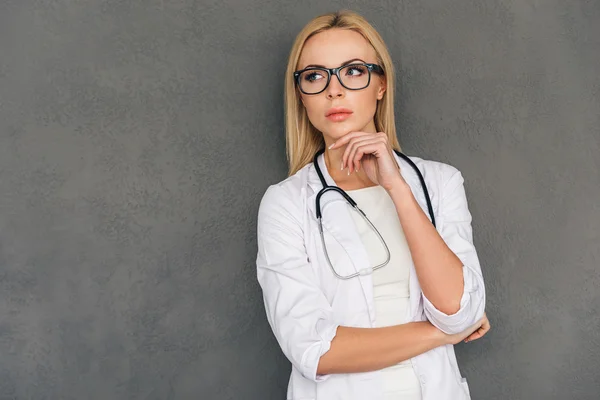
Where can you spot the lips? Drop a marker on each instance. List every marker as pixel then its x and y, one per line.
pixel 337 110
pixel 339 117
pixel 338 114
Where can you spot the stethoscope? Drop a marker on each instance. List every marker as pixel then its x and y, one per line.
pixel 326 188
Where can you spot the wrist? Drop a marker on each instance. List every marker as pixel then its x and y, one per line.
pixel 438 337
pixel 432 334
pixel 400 193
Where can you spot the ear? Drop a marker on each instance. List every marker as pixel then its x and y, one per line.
pixel 382 88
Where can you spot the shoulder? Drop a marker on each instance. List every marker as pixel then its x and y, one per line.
pixel 285 196
pixel 437 173
pixel 446 188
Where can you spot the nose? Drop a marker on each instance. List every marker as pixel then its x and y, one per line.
pixel 335 88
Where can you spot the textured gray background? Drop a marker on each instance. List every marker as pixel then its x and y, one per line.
pixel 137 138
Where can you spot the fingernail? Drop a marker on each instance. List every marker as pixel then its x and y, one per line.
pixel 348 171
pixel 332 144
pixel 342 166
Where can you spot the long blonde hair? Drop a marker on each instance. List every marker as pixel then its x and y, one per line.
pixel 303 140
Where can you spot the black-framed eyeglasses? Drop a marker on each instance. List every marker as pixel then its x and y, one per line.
pixel 355 76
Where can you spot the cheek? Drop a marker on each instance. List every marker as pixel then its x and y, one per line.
pixel 314 107
pixel 368 103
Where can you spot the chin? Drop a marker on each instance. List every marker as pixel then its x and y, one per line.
pixel 336 131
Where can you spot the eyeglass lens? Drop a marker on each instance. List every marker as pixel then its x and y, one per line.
pixel 351 76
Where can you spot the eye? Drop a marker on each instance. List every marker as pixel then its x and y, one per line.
pixel 356 70
pixel 312 76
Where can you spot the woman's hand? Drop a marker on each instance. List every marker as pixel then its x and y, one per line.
pixel 473 332
pixel 483 329
pixel 373 152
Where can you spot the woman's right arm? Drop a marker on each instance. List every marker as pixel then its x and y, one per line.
pixel 300 315
pixel 370 349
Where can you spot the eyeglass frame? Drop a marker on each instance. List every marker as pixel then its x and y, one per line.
pixel 371 67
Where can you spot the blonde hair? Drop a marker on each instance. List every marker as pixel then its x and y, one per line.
pixel 303 140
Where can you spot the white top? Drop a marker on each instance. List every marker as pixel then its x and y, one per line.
pixel 390 283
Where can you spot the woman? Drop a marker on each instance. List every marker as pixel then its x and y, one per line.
pixel 363 311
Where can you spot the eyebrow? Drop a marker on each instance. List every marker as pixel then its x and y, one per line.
pixel 344 63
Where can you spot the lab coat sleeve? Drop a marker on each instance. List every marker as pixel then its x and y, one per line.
pixel 297 310
pixel 454 225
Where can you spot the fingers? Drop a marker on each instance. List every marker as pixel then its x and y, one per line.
pixel 356 150
pixel 347 157
pixel 353 142
pixel 479 333
pixel 475 335
pixel 346 138
pixel 368 148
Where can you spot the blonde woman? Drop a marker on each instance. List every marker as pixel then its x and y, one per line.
pixel 366 303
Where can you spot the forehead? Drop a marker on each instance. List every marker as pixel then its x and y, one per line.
pixel 334 46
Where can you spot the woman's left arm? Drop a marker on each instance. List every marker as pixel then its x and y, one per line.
pixel 446 263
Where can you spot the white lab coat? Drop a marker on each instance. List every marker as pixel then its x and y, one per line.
pixel 305 302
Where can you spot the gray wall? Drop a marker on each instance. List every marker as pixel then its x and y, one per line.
pixel 137 138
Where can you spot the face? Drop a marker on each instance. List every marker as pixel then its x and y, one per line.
pixel 330 49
